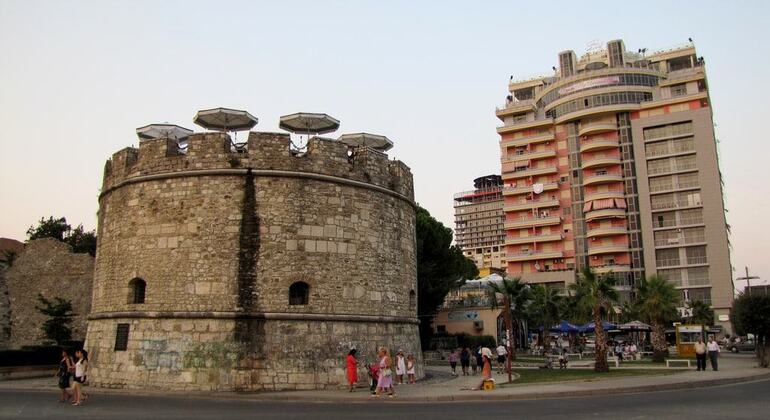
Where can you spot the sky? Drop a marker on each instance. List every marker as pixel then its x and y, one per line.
pixel 77 78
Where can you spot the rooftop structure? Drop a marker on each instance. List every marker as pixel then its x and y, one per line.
pixel 479 222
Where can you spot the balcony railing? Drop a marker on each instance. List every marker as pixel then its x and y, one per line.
pixel 534 255
pixel 528 156
pixel 523 173
pixel 549 186
pixel 597 144
pixel 599 179
pixel 532 221
pixel 524 205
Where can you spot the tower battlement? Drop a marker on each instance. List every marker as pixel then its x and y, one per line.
pixel 263 151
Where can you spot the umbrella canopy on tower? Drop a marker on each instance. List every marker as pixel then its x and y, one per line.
pixel 162 131
pixel 374 141
pixel 225 119
pixel 307 123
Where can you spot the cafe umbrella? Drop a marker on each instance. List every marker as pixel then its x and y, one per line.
pixel 373 141
pixel 225 119
pixel 308 123
pixel 163 131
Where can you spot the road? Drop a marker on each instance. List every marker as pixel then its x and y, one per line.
pixel 740 401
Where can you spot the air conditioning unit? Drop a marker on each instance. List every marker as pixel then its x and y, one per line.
pixel 478 325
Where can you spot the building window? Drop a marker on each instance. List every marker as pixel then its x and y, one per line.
pixel 136 289
pixel 299 293
pixel 121 337
pixel 679 90
pixel 441 328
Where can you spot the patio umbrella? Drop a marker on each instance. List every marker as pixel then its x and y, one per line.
pixel 309 123
pixel 225 119
pixel 590 326
pixel 565 327
pixel 634 326
pixel 373 141
pixel 162 131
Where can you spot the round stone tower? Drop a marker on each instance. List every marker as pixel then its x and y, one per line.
pixel 250 269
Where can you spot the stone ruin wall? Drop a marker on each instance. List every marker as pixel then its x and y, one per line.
pixel 219 236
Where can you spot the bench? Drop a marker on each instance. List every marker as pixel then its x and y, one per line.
pixel 614 359
pixel 668 361
pixel 580 356
pixel 645 353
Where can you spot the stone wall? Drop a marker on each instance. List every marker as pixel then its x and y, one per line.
pixel 219 237
pixel 48 267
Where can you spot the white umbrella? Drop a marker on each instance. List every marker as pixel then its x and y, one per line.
pixel 225 119
pixel 163 131
pixel 375 141
pixel 309 123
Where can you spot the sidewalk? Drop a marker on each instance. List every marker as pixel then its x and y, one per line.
pixel 444 387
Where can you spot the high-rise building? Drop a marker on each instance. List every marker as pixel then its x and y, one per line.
pixel 479 223
pixel 611 163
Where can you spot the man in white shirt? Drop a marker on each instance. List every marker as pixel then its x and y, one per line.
pixel 713 349
pixel 501 353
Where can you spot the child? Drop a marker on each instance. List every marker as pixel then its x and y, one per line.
pixel 410 368
pixel 474 363
pixel 453 358
pixel 374 371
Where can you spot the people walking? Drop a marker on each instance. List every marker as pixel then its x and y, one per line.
pixel 352 369
pixel 64 375
pixel 465 360
pixel 453 358
pixel 374 373
pixel 81 372
pixel 486 370
pixel 479 359
pixel 410 368
pixel 474 363
pixel 400 366
pixel 502 353
pixel 700 355
pixel 385 376
pixel 713 349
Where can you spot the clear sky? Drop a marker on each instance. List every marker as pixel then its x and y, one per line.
pixel 77 77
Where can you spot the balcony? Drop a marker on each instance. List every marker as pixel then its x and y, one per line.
pixel 533 255
pixel 602 179
pixel 522 125
pixel 605 213
pixel 606 231
pixel 607 249
pixel 533 239
pixel 531 204
pixel 530 172
pixel 598 144
pixel 601 161
pixel 615 268
pixel 541 138
pixel 532 222
pixel 597 127
pixel 515 107
pixel 603 195
pixel 548 186
pixel 540 154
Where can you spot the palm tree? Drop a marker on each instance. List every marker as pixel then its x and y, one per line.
pixel 658 300
pixel 515 296
pixel 594 293
pixel 702 314
pixel 545 309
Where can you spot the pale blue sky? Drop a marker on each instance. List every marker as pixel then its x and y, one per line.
pixel 77 77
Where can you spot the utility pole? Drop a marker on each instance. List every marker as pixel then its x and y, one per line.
pixel 748 279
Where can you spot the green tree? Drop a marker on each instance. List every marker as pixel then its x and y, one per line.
pixel 80 240
pixel 658 302
pixel 631 310
pixel 59 312
pixel 594 296
pixel 702 315
pixel 514 294
pixel 545 309
pixel 441 267
pixel 751 315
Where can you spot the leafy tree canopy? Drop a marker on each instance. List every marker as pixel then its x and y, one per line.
pixel 58 228
pixel 59 312
pixel 751 314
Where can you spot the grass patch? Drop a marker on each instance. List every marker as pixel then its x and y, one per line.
pixel 529 376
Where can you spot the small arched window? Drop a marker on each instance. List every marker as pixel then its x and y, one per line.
pixel 136 289
pixel 412 300
pixel 299 293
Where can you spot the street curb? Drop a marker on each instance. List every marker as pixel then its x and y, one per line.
pixel 288 396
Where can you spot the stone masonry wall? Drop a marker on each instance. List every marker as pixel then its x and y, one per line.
pixel 48 267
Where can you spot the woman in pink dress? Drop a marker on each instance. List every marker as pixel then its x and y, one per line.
pixel 385 380
pixel 352 369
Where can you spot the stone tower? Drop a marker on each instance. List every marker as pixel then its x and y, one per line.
pixel 256 269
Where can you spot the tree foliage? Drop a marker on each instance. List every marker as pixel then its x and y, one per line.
pixel 59 312
pixel 595 295
pixel 546 309
pixel 80 240
pixel 440 268
pixel 702 314
pixel 516 293
pixel 658 302
pixel 751 315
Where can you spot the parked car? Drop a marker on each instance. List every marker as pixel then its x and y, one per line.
pixel 743 345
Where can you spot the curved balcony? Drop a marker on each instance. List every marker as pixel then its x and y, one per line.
pixel 615 268
pixel 602 195
pixel 597 127
pixel 598 162
pixel 606 231
pixel 542 138
pixel 532 204
pixel 533 255
pixel 598 144
pixel 530 172
pixel 540 154
pixel 548 186
pixel 605 214
pixel 517 126
pixel 602 179
pixel 533 239
pixel 515 107
pixel 607 249
pixel 532 222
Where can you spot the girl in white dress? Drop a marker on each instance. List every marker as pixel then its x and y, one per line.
pixel 400 367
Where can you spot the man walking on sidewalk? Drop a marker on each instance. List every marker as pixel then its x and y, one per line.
pixel 713 349
pixel 700 354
